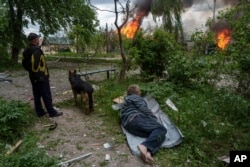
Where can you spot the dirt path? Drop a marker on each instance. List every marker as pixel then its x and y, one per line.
pixel 76 134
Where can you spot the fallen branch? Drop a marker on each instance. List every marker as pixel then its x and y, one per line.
pixel 75 159
pixel 15 147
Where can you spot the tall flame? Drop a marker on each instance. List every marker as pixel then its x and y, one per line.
pixel 223 38
pixel 131 27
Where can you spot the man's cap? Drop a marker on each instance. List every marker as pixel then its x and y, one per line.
pixel 32 36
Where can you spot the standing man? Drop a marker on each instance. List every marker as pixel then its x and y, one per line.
pixel 137 119
pixel 34 62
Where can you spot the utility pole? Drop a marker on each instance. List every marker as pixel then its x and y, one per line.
pixel 214 8
pixel 107 38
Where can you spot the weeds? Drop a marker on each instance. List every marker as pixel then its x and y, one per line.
pixel 14 117
pixel 15 121
pixel 212 121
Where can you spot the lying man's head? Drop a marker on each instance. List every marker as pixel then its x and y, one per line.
pixel 134 89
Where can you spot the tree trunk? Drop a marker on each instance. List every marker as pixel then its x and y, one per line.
pixel 125 59
pixel 16 27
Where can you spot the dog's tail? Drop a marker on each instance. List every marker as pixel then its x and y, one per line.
pixel 91 101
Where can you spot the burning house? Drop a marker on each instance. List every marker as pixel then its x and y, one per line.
pixel 221 28
pixel 222 37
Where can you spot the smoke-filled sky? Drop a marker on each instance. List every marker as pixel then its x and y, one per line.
pixel 195 16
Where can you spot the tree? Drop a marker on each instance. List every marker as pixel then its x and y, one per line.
pixel 3 35
pixel 97 42
pixel 125 59
pixel 50 15
pixel 171 16
pixel 238 19
pixel 81 37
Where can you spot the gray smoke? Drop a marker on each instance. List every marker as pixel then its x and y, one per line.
pixel 203 7
pixel 144 6
pixel 190 3
pixel 187 3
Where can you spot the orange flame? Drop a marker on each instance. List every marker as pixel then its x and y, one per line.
pixel 131 27
pixel 223 38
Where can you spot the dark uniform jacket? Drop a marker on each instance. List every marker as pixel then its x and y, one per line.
pixel 38 70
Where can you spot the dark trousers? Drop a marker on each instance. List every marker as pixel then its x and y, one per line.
pixel 149 128
pixel 42 90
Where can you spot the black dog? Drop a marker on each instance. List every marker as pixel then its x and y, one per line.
pixel 83 88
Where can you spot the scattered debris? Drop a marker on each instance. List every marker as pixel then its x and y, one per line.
pixel 117 106
pixel 51 126
pixel 39 145
pixel 75 159
pixel 107 157
pixel 67 92
pixel 119 99
pixel 95 87
pixel 225 159
pixel 171 105
pixel 107 145
pixel 5 77
pixel 15 147
pixel 204 123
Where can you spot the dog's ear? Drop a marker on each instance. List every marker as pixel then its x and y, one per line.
pixel 74 71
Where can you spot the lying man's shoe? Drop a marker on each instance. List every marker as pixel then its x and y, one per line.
pixel 57 114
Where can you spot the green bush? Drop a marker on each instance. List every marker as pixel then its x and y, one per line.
pixel 14 118
pixel 15 122
pixel 152 53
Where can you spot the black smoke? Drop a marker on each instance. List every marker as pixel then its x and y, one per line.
pixel 143 6
pixel 219 26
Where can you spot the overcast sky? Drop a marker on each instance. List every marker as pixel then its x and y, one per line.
pixel 194 17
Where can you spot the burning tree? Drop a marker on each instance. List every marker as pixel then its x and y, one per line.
pixel 129 28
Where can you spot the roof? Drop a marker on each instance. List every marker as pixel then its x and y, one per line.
pixel 58 40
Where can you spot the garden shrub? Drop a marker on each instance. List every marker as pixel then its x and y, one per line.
pixel 14 118
pixel 152 53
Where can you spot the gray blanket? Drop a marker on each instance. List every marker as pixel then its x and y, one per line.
pixel 173 137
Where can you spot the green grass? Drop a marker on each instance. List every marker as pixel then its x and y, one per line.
pixel 16 120
pixel 212 121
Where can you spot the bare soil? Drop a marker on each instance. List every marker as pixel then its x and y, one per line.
pixel 77 134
